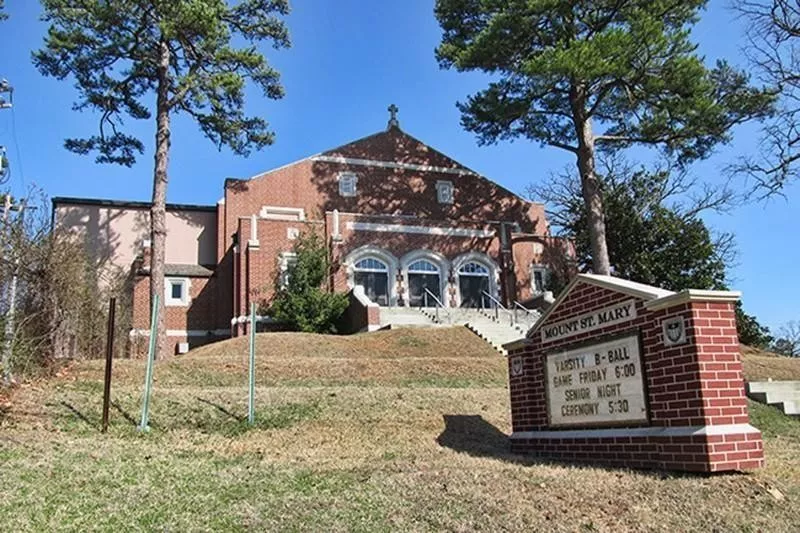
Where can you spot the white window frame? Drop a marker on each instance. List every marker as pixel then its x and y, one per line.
pixel 383 256
pixel 286 259
pixel 184 300
pixel 271 212
pixel 348 184
pixel 483 260
pixel 357 268
pixel 444 192
pixel 545 278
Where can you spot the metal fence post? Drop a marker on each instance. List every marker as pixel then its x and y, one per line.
pixel 112 306
pixel 148 379
pixel 251 399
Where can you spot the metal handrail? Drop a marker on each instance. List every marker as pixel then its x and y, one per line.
pixel 497 305
pixel 435 299
pixel 518 305
pixel 495 300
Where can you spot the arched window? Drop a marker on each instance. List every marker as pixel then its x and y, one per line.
pixel 370 264
pixel 474 269
pixel 422 266
pixel 424 284
pixel 473 284
pixel 373 275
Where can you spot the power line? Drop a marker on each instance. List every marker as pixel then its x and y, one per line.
pixel 16 141
pixel 6 87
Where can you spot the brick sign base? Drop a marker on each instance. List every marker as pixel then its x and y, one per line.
pixel 675 403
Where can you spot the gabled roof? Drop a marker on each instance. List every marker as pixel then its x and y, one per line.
pixel 390 148
pixel 655 298
pixel 396 146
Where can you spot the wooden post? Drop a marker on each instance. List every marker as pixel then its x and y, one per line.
pixel 251 400
pixel 112 307
pixel 148 378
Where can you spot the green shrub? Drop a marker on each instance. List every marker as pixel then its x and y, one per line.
pixel 301 301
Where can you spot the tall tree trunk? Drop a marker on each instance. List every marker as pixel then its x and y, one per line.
pixel 590 186
pixel 158 211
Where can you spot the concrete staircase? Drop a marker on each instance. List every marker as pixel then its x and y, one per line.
pixel 404 317
pixel 785 395
pixel 496 328
pixel 496 331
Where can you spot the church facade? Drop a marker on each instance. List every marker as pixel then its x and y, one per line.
pixel 408 224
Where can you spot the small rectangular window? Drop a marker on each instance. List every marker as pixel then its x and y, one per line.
pixel 539 278
pixel 176 292
pixel 347 184
pixel 287 259
pixel 444 192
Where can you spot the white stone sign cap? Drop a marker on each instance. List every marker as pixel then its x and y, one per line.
pixel 597 385
pixel 654 297
pixel 601 318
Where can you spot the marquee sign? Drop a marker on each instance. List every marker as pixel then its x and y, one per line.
pixel 590 321
pixel 598 385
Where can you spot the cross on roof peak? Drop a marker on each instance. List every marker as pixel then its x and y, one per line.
pixel 393 122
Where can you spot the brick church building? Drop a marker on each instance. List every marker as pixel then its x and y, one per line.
pixel 405 222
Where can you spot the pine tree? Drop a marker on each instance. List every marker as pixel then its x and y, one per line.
pixel 594 75
pixel 154 59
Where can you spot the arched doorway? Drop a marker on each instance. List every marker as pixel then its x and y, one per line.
pixel 422 275
pixel 373 274
pixel 473 282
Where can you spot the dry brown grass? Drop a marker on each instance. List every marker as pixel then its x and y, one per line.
pixel 410 342
pixel 760 365
pixel 412 440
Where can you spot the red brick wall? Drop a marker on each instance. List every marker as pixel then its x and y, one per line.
pixel 556 254
pixel 698 384
pixel 258 267
pixel 313 186
pixel 399 244
pixel 719 362
pixel 358 317
pixel 711 453
pixel 199 315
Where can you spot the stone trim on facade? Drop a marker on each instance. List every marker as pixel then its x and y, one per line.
pixel 396 207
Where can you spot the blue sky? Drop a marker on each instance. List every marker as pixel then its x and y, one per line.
pixel 350 59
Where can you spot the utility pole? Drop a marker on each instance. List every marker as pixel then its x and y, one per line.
pixel 8 334
pixel 5 88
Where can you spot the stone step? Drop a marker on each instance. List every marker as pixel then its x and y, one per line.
pixel 403 317
pixel 785 395
pixel 774 397
pixel 768 386
pixel 496 335
pixel 791 407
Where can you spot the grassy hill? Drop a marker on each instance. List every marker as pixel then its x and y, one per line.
pixel 397 430
pixel 761 366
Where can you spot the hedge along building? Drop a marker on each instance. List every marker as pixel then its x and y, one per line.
pixel 398 217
